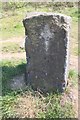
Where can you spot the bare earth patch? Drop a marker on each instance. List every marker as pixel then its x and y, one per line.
pixel 26 107
pixel 14 39
pixel 13 55
pixel 74 62
pixel 29 106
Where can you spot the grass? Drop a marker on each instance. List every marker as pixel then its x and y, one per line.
pixel 54 109
pixel 8 102
pixel 13 67
pixel 74 38
pixel 12 26
pixel 11 20
pixel 73 76
pixel 9 70
pixel 76 51
pixel 12 47
pixel 48 106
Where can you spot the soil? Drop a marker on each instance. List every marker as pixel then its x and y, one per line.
pixel 9 56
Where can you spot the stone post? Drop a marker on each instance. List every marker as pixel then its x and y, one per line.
pixel 47 51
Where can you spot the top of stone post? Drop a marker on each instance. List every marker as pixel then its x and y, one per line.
pixel 36 14
pixel 59 19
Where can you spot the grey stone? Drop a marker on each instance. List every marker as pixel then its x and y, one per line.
pixel 17 83
pixel 47 50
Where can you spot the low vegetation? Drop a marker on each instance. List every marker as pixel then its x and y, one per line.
pixel 8 102
pixel 73 77
pixel 13 14
pixel 11 20
pixel 56 109
pixel 9 70
pixel 77 51
pixel 12 47
pixel 52 105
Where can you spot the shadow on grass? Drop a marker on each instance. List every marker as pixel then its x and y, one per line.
pixel 10 69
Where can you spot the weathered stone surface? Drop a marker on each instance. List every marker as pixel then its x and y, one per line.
pixel 47 50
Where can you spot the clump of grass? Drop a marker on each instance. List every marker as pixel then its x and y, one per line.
pixel 73 76
pixel 12 47
pixel 77 51
pixel 54 109
pixel 7 106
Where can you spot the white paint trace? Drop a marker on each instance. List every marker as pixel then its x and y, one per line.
pixel 46 34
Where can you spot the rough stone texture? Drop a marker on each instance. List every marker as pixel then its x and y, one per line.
pixel 17 83
pixel 47 50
